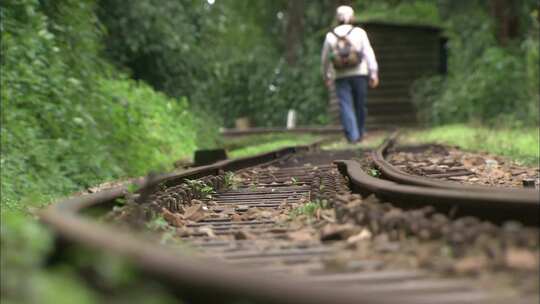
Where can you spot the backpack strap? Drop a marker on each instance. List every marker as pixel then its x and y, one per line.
pixel 333 31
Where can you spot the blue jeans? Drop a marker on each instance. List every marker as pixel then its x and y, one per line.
pixel 351 92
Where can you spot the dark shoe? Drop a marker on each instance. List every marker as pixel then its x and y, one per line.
pixel 359 140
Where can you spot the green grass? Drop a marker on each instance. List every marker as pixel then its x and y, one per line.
pixel 309 209
pixel 520 145
pixel 265 143
pixel 235 143
pixel 370 142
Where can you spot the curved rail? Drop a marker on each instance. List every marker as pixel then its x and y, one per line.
pixel 388 171
pixel 196 275
pixel 408 191
pixel 481 204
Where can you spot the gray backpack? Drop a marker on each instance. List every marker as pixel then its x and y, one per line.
pixel 344 54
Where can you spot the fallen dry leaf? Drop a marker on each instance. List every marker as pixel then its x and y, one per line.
pixel 470 265
pixel 329 216
pixel 521 259
pixel 195 213
pixel 173 219
pixel 337 232
pixel 363 235
pixel 184 231
pixel 244 235
pixel 301 236
pixel 208 230
pixel 496 173
pixel 236 217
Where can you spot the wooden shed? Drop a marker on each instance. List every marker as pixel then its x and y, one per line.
pixel 404 53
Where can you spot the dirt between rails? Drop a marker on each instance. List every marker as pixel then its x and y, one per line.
pixel 504 258
pixel 454 165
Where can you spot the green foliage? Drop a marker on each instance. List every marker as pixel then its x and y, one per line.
pixel 487 83
pixel 158 223
pixel 152 129
pixel 204 189
pixel 494 91
pixel 157 40
pixel 66 122
pixel 310 208
pixel 230 181
pixel 416 11
pixel 45 119
pixel 374 172
pixel 69 121
pixel 25 246
pixel 522 145
pixel 226 58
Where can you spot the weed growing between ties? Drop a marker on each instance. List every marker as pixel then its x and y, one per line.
pixel 231 180
pixel 200 186
pixel 374 172
pixel 309 209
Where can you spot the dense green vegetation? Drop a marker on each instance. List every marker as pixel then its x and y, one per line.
pixel 519 145
pixel 227 58
pixel 493 75
pixel 69 121
pixel 260 58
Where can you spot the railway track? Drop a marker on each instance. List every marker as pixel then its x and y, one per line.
pixel 408 191
pixel 255 238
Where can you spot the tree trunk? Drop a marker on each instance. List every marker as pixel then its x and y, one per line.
pixel 294 30
pixel 506 17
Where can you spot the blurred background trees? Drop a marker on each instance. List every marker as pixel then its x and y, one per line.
pixel 260 58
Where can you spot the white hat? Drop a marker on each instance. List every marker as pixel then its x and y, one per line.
pixel 344 14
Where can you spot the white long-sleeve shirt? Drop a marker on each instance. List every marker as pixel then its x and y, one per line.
pixel 358 37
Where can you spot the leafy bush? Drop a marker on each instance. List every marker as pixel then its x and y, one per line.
pixel 69 120
pixel 226 58
pixel 145 129
pixel 66 123
pixel 495 89
pixel 414 11
pixel 487 83
pixel 47 124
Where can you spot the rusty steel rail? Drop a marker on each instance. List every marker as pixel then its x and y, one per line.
pixel 196 275
pixel 77 203
pixel 390 172
pixel 332 130
pixel 497 206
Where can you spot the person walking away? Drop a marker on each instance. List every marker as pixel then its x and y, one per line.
pixel 348 60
